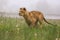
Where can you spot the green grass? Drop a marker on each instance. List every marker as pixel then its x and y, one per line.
pixel 17 29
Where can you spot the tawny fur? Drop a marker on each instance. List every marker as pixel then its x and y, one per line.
pixel 32 17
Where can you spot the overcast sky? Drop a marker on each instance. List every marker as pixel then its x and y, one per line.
pixel 50 8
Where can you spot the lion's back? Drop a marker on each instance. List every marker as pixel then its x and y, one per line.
pixel 36 13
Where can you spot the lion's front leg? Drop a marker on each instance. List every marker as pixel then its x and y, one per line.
pixel 30 24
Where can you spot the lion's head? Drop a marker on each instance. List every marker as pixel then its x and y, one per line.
pixel 22 11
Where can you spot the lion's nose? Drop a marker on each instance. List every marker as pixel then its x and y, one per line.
pixel 19 13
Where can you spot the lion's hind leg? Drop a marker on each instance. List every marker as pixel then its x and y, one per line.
pixel 41 23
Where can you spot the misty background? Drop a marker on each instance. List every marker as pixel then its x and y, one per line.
pixel 50 8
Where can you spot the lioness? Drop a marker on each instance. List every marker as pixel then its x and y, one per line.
pixel 32 17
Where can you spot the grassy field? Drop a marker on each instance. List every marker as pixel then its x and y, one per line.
pixel 17 29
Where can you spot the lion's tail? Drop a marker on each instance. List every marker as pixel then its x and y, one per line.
pixel 47 21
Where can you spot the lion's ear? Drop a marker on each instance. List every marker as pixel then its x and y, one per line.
pixel 25 9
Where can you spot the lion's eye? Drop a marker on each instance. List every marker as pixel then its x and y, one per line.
pixel 22 11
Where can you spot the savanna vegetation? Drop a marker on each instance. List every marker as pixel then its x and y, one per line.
pixel 17 29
